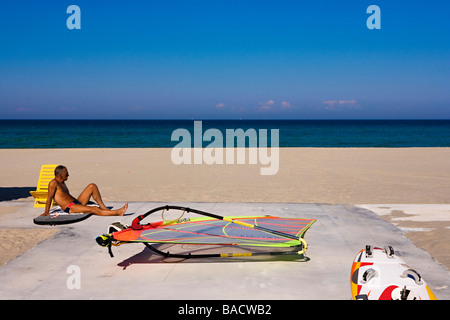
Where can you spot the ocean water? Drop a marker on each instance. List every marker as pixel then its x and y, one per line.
pixel 15 134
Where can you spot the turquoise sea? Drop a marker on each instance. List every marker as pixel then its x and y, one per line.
pixel 16 134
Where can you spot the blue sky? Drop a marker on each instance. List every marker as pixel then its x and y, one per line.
pixel 225 60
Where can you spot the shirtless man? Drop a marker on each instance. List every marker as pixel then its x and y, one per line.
pixel 58 190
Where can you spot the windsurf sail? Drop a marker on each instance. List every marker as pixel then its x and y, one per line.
pixel 211 229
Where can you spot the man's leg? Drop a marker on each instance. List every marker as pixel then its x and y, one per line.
pixel 92 190
pixel 79 208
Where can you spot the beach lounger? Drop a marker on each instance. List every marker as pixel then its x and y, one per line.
pixel 46 175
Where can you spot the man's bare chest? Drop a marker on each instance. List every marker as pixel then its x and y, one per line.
pixel 63 188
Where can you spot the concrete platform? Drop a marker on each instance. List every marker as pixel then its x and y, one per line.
pixel 47 271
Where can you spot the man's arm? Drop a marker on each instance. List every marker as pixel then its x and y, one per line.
pixel 51 194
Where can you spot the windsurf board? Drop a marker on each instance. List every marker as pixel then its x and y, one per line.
pixel 380 274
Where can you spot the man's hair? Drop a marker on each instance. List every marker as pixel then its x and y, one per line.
pixel 59 170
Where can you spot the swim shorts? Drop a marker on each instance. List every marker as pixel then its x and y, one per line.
pixel 70 205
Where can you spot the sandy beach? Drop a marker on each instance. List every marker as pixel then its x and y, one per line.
pixel 381 178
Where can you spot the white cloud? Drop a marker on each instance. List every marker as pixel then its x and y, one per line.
pixel 266 106
pixel 67 109
pixel 286 105
pixel 23 109
pixel 138 108
pixel 340 104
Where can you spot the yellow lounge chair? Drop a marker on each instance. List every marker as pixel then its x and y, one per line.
pixel 41 193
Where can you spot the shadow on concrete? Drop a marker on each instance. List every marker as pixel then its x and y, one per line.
pixel 147 256
pixel 15 193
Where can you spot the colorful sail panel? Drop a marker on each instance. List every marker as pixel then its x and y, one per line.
pixel 211 231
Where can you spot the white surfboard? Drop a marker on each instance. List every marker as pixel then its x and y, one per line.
pixel 379 274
